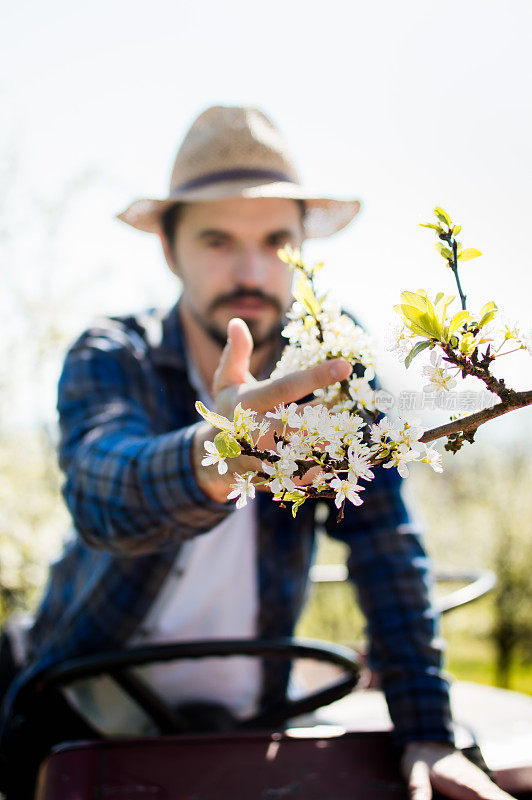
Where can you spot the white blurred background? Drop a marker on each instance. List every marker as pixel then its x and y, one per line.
pixel 403 105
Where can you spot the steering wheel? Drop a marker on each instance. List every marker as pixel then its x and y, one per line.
pixel 168 720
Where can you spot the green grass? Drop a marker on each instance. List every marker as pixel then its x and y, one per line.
pixel 331 613
pixel 470 652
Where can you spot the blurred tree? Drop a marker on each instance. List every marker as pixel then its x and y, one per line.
pixel 38 305
pixel 479 514
pixel 511 557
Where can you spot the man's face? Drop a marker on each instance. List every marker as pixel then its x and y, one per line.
pixel 225 253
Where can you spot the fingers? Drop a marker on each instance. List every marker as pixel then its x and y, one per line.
pixel 234 363
pixel 419 786
pixel 267 394
pixel 448 772
pixel 456 777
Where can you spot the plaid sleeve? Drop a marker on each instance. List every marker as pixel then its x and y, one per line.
pixel 129 490
pixel 391 571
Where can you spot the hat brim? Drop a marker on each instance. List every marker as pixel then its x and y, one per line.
pixel 324 215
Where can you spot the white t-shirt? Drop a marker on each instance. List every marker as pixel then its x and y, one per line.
pixel 210 593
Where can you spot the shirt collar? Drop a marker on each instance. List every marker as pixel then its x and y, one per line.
pixel 166 340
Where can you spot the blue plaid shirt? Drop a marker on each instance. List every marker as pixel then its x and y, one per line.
pixel 127 421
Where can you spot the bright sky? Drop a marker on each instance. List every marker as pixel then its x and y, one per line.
pixel 404 105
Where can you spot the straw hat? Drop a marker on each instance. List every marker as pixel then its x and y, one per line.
pixel 238 152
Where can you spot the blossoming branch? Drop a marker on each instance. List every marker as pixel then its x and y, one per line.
pixel 461 342
pixel 328 449
pixel 331 447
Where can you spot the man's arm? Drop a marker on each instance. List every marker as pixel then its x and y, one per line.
pixel 390 570
pixel 130 490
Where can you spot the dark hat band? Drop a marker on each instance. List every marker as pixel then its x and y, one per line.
pixel 230 175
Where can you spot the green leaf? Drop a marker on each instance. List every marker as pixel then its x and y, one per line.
pixel 431 225
pixel 418 313
pixel 487 313
pixel 456 230
pixel 419 300
pixel 489 306
pixel 441 306
pixel 438 298
pixel 227 445
pixel 293 496
pixel 457 321
pixel 422 323
pixel 412 299
pixel 296 505
pixel 305 295
pixel 467 343
pixel 215 419
pixel 291 255
pixel 444 251
pixel 428 307
pixel 296 497
pixel 443 216
pixel 415 351
pixel 468 254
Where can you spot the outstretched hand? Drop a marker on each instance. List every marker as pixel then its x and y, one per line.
pixel 233 384
pixel 436 766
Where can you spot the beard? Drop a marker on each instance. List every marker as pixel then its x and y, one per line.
pixel 219 335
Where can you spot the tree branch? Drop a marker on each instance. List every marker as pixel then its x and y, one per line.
pixel 480 371
pixel 473 421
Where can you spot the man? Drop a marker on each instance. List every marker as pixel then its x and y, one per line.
pixel 161 555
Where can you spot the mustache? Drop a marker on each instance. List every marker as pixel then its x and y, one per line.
pixel 245 294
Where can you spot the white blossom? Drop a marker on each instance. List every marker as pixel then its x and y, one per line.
pixel 286 414
pixel 242 488
pixel 317 421
pixel 308 346
pixel 438 375
pixel 525 340
pixel 359 466
pixel 279 477
pixel 381 430
pixel 399 457
pixel 407 432
pixel 287 457
pixel 319 482
pixel 399 339
pixel 300 443
pixel 244 421
pixel 264 427
pixel 347 425
pixel 361 391
pixel 214 458
pixel 345 489
pixel 433 458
